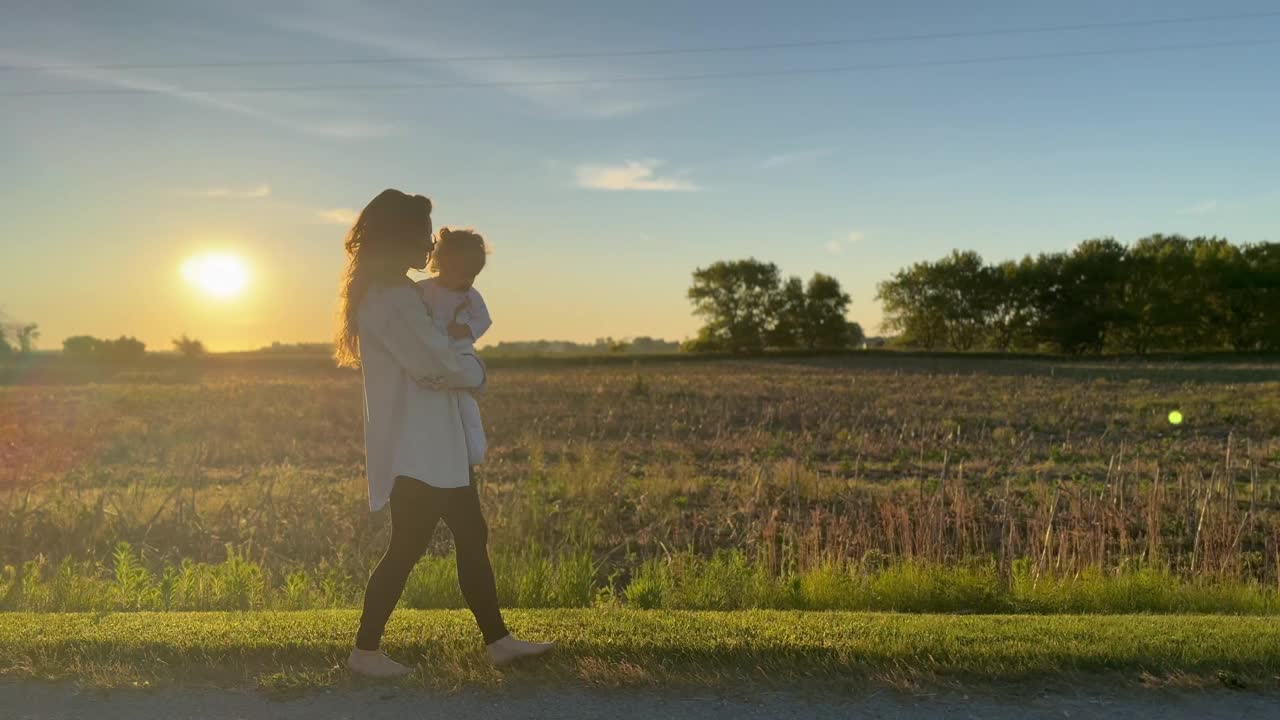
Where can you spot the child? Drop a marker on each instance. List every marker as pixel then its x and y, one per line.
pixel 459 310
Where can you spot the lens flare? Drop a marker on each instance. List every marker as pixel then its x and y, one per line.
pixel 216 275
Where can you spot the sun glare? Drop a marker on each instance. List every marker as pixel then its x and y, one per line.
pixel 216 275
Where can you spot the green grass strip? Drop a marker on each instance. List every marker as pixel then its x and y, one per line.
pixel 642 648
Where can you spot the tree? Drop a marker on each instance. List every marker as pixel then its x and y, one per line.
pixel 913 306
pixel 961 281
pixel 1163 292
pixel 1078 296
pixel 188 347
pixel 790 315
pixel 24 335
pixel 1255 299
pixel 738 300
pixel 1158 310
pixel 27 336
pixel 1012 304
pixel 121 351
pixel 824 323
pixel 80 347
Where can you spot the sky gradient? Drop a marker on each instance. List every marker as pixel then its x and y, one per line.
pixel 601 199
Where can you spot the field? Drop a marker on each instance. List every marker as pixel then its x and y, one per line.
pixel 872 482
pixel 868 482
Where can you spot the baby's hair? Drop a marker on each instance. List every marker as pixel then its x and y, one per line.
pixel 465 244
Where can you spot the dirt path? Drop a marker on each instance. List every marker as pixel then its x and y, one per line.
pixel 45 701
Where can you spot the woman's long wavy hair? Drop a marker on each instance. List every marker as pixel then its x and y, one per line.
pixel 380 248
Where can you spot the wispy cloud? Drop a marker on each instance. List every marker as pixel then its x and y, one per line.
pixel 553 85
pixel 837 246
pixel 338 216
pixel 67 69
pixel 796 156
pixel 1201 208
pixel 253 193
pixel 632 175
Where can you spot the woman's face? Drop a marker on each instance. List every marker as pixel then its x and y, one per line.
pixel 420 248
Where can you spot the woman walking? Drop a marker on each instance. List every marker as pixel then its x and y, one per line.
pixel 415 447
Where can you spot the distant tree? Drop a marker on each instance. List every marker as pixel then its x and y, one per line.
pixel 1255 299
pixel 280 348
pixel 1164 292
pixel 646 344
pixel 1218 266
pixel 700 343
pixel 5 348
pixel 188 347
pixel 1158 311
pixel 790 315
pixel 121 351
pixel 1011 304
pixel 81 347
pixel 609 345
pixel 962 281
pixel 1078 296
pixel 824 323
pixel 857 338
pixel 738 300
pixel 27 336
pixel 913 306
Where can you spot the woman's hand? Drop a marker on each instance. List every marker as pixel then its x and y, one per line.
pixel 434 382
pixel 460 331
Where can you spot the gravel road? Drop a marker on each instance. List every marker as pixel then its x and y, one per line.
pixel 47 701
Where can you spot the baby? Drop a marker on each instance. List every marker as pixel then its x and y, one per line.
pixel 458 309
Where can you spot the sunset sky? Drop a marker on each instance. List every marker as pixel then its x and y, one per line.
pixel 600 199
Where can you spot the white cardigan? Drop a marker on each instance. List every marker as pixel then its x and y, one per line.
pixel 410 430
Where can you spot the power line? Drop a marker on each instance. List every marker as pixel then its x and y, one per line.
pixel 655 51
pixel 1072 54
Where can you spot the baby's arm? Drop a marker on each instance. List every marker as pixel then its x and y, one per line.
pixel 478 321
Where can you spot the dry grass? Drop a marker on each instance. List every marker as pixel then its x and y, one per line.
pixel 797 465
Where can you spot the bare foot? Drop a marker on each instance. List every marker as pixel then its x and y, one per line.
pixel 375 663
pixel 508 649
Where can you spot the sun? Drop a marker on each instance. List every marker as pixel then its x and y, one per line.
pixel 217 275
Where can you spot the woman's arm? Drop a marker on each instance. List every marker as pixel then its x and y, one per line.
pixel 398 320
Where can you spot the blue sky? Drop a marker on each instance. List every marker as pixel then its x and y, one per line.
pixel 601 199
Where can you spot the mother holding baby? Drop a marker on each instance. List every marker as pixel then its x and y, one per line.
pixel 419 374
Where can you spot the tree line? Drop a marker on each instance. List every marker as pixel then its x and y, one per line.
pixel 18 338
pixel 123 350
pixel 1162 293
pixel 748 307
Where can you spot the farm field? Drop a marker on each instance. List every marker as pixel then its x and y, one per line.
pixel 868 482
pixel 674 525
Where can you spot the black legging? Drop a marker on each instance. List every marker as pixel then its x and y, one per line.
pixel 416 509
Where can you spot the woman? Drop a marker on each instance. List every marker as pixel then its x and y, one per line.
pixel 415 450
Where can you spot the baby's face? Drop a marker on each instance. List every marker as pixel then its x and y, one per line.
pixel 455 275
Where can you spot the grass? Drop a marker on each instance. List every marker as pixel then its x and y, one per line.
pixel 628 648
pixel 703 524
pixel 830 482
pixel 728 580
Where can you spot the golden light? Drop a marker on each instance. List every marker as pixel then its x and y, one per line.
pixel 218 275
